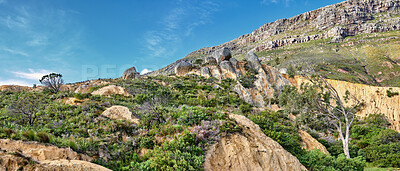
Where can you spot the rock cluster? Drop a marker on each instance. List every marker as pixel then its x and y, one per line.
pixel 269 80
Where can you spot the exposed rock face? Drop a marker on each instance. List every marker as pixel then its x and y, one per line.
pixel 310 143
pixel 85 86
pixel 110 90
pixel 120 112
pixel 222 54
pixel 183 68
pixel 253 61
pixel 210 61
pixel 227 70
pixel 250 150
pixel 16 155
pixel 375 99
pixel 130 73
pixel 205 72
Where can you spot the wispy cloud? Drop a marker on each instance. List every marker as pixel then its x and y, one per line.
pixel 267 2
pixel 15 52
pixel 14 82
pixel 178 24
pixel 32 74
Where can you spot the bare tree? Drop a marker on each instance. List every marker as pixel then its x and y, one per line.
pixel 27 107
pixel 52 81
pixel 338 111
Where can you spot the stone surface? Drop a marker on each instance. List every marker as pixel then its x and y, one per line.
pixel 20 155
pixel 250 150
pixel 210 61
pixel 183 68
pixel 375 99
pixel 84 87
pixel 205 72
pixel 222 54
pixel 111 90
pixel 130 73
pixel 310 143
pixel 253 61
pixel 120 112
pixel 227 70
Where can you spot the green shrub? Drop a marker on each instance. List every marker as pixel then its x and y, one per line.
pixel 43 137
pixel 245 108
pixel 147 142
pixel 29 135
pixel 316 160
pixel 390 93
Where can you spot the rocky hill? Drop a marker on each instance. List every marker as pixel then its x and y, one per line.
pixel 336 41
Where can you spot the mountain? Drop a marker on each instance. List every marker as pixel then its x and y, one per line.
pixel 355 41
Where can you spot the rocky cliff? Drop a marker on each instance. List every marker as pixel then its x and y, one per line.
pixel 376 99
pixel 334 22
pixel 249 150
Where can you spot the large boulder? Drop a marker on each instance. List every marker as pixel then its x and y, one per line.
pixel 205 72
pixel 183 68
pixel 210 61
pixel 227 70
pixel 222 54
pixel 111 90
pixel 249 150
pixel 120 113
pixel 253 61
pixel 130 73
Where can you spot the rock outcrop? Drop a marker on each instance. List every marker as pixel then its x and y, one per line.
pixel 120 112
pixel 375 99
pixel 183 68
pixel 84 87
pixel 111 90
pixel 130 73
pixel 16 155
pixel 222 54
pixel 249 150
pixel 310 143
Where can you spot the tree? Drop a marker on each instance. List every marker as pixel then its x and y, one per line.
pixel 321 100
pixel 52 81
pixel 27 107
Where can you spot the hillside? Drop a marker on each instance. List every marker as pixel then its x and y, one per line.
pixel 241 105
pixel 355 41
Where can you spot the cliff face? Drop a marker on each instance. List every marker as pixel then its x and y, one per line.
pixel 352 17
pixel 375 98
pixel 250 150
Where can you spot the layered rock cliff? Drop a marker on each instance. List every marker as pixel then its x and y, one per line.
pixel 376 99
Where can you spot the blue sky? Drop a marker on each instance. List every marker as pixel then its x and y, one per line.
pixel 88 39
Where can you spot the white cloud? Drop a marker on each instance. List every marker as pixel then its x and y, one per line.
pixel 32 74
pixel 38 40
pixel 145 71
pixel 14 82
pixel 15 52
